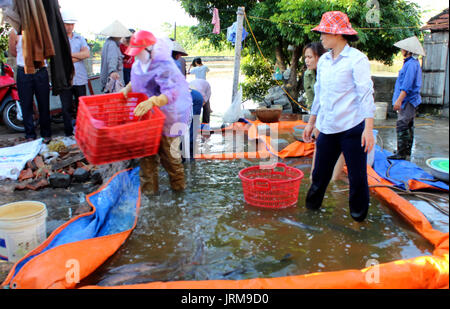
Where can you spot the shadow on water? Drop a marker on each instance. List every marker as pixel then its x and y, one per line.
pixel 208 232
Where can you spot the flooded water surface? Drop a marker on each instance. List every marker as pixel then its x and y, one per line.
pixel 208 232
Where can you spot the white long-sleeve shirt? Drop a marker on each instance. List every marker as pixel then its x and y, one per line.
pixel 343 91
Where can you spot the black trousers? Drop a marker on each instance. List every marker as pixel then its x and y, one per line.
pixel 206 118
pixel 69 101
pixel 28 86
pixel 126 75
pixel 329 148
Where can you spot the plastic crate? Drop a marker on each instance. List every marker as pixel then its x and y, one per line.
pixel 275 188
pixel 107 130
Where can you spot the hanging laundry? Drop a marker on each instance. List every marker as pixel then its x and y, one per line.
pixel 232 31
pixel 61 65
pixel 216 21
pixel 37 40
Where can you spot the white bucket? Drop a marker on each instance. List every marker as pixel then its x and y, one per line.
pixel 22 229
pixel 381 110
pixel 371 155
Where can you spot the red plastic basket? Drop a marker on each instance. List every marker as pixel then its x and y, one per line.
pixel 107 130
pixel 276 187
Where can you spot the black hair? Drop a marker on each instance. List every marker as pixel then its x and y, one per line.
pixel 196 61
pixel 351 38
pixel 316 47
pixel 175 54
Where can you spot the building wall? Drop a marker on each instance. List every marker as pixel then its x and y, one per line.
pixel 436 69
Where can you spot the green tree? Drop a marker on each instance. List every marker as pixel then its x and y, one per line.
pixel 96 47
pixel 278 24
pixel 4 37
pixel 195 44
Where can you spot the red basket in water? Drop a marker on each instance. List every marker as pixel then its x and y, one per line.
pixel 277 187
pixel 107 130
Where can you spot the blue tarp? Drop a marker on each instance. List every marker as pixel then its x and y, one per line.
pixel 115 212
pixel 402 171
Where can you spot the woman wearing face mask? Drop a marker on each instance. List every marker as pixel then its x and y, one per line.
pixel 343 111
pixel 155 73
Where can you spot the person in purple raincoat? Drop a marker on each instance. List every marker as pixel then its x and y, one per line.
pixel 155 73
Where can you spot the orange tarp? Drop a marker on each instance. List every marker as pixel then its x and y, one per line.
pixel 54 268
pixel 296 149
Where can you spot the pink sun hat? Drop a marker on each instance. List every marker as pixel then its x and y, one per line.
pixel 335 22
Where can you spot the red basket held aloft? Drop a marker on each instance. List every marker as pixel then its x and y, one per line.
pixel 277 187
pixel 107 130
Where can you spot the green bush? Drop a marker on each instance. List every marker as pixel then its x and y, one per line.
pixel 96 47
pixel 258 78
pixel 4 37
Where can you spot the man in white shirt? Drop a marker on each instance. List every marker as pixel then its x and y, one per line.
pixel 80 51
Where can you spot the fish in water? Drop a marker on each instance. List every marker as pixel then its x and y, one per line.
pixel 135 268
pixel 118 279
pixel 199 252
pixel 133 273
pixel 272 266
pixel 239 271
pixel 344 230
pixel 300 225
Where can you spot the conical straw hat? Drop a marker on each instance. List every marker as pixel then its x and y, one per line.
pixel 412 45
pixel 178 48
pixel 117 30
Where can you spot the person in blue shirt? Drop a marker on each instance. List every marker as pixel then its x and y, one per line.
pixel 342 111
pixel 197 105
pixel 406 97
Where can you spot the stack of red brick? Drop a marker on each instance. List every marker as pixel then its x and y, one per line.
pixel 36 173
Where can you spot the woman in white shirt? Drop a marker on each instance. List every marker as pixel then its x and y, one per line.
pixel 342 111
pixel 199 69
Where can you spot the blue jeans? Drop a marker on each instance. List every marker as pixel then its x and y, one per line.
pixel 28 86
pixel 329 148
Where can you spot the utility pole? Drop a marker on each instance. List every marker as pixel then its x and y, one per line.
pixel 238 49
pixel 175 32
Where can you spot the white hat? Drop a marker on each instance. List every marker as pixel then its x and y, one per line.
pixel 117 30
pixel 178 48
pixel 412 45
pixel 68 17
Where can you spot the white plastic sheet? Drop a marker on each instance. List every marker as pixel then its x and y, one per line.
pixel 234 112
pixel 13 159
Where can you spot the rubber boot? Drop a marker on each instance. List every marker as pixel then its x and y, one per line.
pixel 148 175
pixel 403 142
pixel 314 197
pixel 170 155
pixel 410 143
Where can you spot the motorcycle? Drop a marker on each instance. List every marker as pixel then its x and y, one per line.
pixel 9 100
pixel 10 107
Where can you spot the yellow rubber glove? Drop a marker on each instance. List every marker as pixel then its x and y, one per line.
pixel 126 90
pixel 144 107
